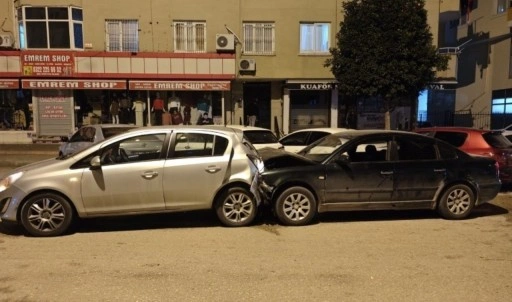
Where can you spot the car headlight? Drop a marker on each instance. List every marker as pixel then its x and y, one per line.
pixel 9 180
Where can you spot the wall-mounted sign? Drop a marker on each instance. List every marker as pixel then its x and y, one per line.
pixel 181 85
pixel 442 86
pixel 73 84
pixel 9 84
pixel 310 86
pixel 48 63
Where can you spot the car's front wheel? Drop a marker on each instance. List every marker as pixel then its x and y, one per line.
pixel 236 207
pixel 46 214
pixel 295 206
pixel 456 202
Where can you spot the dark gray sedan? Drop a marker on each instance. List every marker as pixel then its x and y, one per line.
pixel 376 170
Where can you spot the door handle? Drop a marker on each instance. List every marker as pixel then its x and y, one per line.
pixel 212 169
pixel 386 172
pixel 149 175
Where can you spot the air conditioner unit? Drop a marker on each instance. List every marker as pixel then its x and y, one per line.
pixel 5 41
pixel 225 42
pixel 247 65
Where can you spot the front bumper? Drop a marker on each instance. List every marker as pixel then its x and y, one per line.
pixel 10 200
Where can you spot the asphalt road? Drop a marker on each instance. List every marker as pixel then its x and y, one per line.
pixel 351 256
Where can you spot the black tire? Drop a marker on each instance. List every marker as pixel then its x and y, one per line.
pixel 295 206
pixel 457 202
pixel 46 215
pixel 236 207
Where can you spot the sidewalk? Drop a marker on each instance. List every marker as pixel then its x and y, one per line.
pixel 16 155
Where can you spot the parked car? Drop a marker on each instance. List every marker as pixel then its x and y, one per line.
pixel 480 142
pixel 89 135
pixel 507 132
pixel 259 137
pixel 146 170
pixel 376 170
pixel 297 140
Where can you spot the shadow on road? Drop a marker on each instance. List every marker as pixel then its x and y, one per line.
pixel 202 219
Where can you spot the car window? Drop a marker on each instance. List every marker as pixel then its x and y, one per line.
pixel 497 140
pixel 316 135
pixel 133 149
pixel 456 139
pixel 111 131
pixel 322 148
pixel 367 151
pixel 194 145
pixel 298 138
pixel 415 149
pixel 84 134
pixel 260 137
pixel 447 151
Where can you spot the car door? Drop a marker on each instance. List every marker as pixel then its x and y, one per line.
pixel 355 176
pixel 419 172
pixel 126 184
pixel 197 166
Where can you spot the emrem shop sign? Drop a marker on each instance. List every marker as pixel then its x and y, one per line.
pixel 73 84
pixel 181 85
pixel 55 64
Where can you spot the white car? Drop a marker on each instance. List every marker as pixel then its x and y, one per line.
pixel 506 132
pixel 297 140
pixel 89 135
pixel 259 137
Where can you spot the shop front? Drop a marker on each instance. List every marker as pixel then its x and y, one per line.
pixel 310 104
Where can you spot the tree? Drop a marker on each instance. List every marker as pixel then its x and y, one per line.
pixel 384 51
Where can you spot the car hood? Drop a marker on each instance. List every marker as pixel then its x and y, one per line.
pixel 279 158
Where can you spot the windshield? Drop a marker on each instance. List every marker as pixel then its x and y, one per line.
pixel 322 148
pixel 260 137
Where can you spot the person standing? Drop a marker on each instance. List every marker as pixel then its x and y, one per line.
pixel 124 105
pixel 139 106
pixel 158 109
pixel 252 112
pixel 114 111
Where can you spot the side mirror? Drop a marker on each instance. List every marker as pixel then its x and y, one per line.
pixel 95 162
pixel 64 139
pixel 342 160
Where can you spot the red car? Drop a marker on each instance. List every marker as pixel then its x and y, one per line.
pixel 480 142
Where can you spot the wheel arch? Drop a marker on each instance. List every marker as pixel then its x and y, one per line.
pixel 223 189
pixel 45 191
pixel 296 183
pixel 448 185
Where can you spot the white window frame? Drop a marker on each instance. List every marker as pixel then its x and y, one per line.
pixel 76 42
pixel 122 35
pixel 259 38
pixel 314 39
pixel 190 36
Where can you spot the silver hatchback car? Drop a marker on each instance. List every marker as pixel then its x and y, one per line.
pixel 145 170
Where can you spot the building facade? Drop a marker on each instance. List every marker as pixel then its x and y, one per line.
pixel 63 63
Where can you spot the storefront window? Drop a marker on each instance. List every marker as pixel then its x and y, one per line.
pixel 309 108
pixel 15 110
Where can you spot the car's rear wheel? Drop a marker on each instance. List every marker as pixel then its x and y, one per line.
pixel 295 206
pixel 456 202
pixel 236 207
pixel 46 214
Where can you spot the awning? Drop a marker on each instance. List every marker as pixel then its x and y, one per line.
pixel 9 84
pixel 181 85
pixel 74 84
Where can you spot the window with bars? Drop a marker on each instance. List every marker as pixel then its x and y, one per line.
pixel 314 38
pixel 43 27
pixel 122 35
pixel 259 38
pixel 189 36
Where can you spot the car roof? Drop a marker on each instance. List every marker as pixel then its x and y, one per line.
pixel 457 129
pixel 247 128
pixel 322 129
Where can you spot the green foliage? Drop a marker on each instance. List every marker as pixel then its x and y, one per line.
pixel 384 49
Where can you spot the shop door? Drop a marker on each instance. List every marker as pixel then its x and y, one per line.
pixel 261 93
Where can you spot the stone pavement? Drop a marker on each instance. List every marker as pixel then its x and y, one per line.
pixel 16 155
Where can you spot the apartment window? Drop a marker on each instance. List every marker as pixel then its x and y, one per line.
pixel 42 27
pixel 122 35
pixel 502 6
pixel 259 38
pixel 189 36
pixel 314 38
